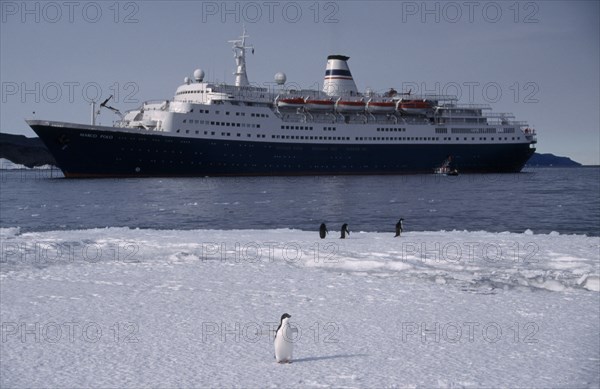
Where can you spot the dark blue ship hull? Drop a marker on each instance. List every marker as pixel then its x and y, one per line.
pixel 104 152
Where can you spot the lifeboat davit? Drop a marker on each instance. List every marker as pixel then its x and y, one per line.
pixel 414 107
pixel 350 106
pixel 290 103
pixel 318 105
pixel 381 106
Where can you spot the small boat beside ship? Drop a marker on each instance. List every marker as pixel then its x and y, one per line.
pixel 445 168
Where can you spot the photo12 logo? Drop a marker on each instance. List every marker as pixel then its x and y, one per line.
pixel 469 332
pixel 266 252
pixel 52 92
pixel 527 92
pixel 470 11
pixel 470 252
pixel 47 253
pixel 270 11
pixel 253 332
pixel 69 11
pixel 68 332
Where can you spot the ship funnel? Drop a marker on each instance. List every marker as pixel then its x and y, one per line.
pixel 338 79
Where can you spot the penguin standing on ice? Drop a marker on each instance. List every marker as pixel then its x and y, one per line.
pixel 344 231
pixel 323 230
pixel 283 340
pixel 398 228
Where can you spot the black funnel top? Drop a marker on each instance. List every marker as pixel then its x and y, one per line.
pixel 340 57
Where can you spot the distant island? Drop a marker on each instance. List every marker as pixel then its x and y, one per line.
pixel 21 150
pixel 31 152
pixel 551 160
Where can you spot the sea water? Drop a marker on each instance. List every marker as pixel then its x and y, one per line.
pixel 542 200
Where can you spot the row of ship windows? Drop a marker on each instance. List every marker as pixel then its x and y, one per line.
pixel 187 92
pixel 222 124
pixel 391 129
pixel 300 137
pixel 309 128
pixel 238 134
pixel 450 119
pixel 258 136
pixel 217 112
pixel 474 131
pixel 485 138
pixel 374 138
pixel 310 137
pixel 282 136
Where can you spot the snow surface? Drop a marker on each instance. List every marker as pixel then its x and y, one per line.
pixel 121 307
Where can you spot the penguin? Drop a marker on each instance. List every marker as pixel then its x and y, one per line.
pixel 398 228
pixel 283 340
pixel 344 231
pixel 323 230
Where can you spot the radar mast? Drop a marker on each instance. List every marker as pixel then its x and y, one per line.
pixel 239 53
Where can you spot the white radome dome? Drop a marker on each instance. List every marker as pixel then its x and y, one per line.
pixel 186 80
pixel 199 75
pixel 280 78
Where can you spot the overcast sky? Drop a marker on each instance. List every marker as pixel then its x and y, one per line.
pixel 538 60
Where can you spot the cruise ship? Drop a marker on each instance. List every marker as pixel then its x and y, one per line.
pixel 216 129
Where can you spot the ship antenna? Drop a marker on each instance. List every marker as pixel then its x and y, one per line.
pixel 93 119
pixel 239 53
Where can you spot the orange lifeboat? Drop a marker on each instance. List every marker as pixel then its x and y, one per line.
pixel 381 106
pixel 318 105
pixel 290 103
pixel 414 107
pixel 350 106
